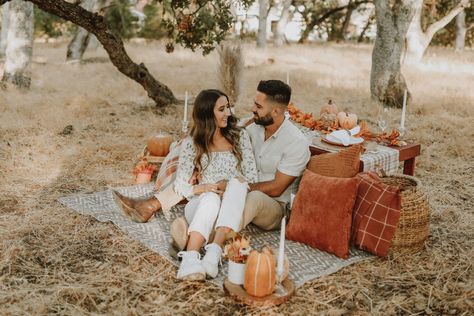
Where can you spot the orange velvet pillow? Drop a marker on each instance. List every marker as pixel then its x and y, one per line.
pixel 343 164
pixel 322 213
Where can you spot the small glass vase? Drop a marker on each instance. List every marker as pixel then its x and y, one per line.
pixel 236 272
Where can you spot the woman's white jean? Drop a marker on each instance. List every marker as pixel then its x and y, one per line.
pixel 206 211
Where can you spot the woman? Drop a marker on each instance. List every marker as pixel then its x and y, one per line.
pixel 216 150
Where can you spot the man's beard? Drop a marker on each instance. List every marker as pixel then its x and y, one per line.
pixel 264 121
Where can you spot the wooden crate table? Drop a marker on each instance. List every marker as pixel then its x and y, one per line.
pixel 407 155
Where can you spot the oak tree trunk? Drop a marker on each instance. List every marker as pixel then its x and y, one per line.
pixel 80 41
pixel 4 30
pixel 262 23
pixel 281 25
pixel 346 23
pixel 113 45
pixel 461 30
pixel 78 45
pixel 370 20
pixel 19 44
pixel 387 84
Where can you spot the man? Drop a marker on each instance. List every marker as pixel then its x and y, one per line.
pixel 281 153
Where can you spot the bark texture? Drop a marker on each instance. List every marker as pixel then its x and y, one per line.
pixel 262 23
pixel 281 25
pixel 417 40
pixel 387 84
pixel 4 31
pixel 112 43
pixel 461 31
pixel 19 44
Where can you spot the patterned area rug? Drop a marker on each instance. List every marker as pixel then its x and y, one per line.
pixel 306 263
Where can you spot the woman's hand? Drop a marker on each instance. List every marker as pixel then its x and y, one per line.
pixel 208 187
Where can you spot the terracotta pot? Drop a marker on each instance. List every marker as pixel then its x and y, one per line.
pixel 236 273
pixel 143 177
pixel 159 145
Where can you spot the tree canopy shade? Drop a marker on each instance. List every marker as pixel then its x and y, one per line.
pixel 112 43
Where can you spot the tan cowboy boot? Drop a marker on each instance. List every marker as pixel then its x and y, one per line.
pixel 139 211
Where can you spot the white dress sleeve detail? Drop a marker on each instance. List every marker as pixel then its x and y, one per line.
pixel 248 165
pixel 185 169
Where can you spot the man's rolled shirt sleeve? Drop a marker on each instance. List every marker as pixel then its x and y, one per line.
pixel 295 158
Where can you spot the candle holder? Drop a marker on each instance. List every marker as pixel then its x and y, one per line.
pixel 402 130
pixel 184 127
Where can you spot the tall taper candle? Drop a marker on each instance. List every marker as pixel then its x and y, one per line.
pixel 404 109
pixel 185 118
pixel 287 77
pixel 281 251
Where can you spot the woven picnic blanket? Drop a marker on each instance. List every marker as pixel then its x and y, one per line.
pixel 377 157
pixel 306 263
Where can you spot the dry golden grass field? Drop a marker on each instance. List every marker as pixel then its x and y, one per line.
pixel 55 261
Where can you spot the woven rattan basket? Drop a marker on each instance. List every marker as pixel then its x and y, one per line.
pixel 414 224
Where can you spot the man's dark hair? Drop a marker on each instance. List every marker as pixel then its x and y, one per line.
pixel 276 91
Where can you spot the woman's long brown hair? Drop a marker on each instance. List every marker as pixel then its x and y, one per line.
pixel 205 125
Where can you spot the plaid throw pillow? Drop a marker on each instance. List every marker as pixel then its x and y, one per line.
pixel 167 173
pixel 376 214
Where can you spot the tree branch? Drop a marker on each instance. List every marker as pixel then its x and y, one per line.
pixel 95 24
pixel 438 25
pixel 328 13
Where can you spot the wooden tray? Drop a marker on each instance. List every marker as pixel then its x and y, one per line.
pixel 151 159
pixel 239 294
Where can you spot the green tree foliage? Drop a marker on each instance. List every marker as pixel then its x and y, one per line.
pixel 153 27
pixel 198 24
pixel 325 17
pixel 48 25
pixel 120 19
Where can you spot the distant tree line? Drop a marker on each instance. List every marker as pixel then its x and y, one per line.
pixel 322 17
pixel 404 30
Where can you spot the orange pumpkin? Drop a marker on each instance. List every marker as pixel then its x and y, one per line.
pixel 159 145
pixel 330 108
pixel 346 121
pixel 260 275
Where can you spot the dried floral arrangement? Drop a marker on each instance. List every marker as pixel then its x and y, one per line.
pixel 331 120
pixel 144 167
pixel 237 248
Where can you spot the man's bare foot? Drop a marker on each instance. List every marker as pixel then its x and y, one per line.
pixel 138 210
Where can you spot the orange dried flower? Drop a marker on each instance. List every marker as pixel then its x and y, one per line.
pixel 144 167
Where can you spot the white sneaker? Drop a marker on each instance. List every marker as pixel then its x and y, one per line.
pixel 211 259
pixel 179 233
pixel 191 267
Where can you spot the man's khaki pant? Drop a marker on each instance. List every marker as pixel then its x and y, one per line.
pixel 263 211
pixel 260 209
